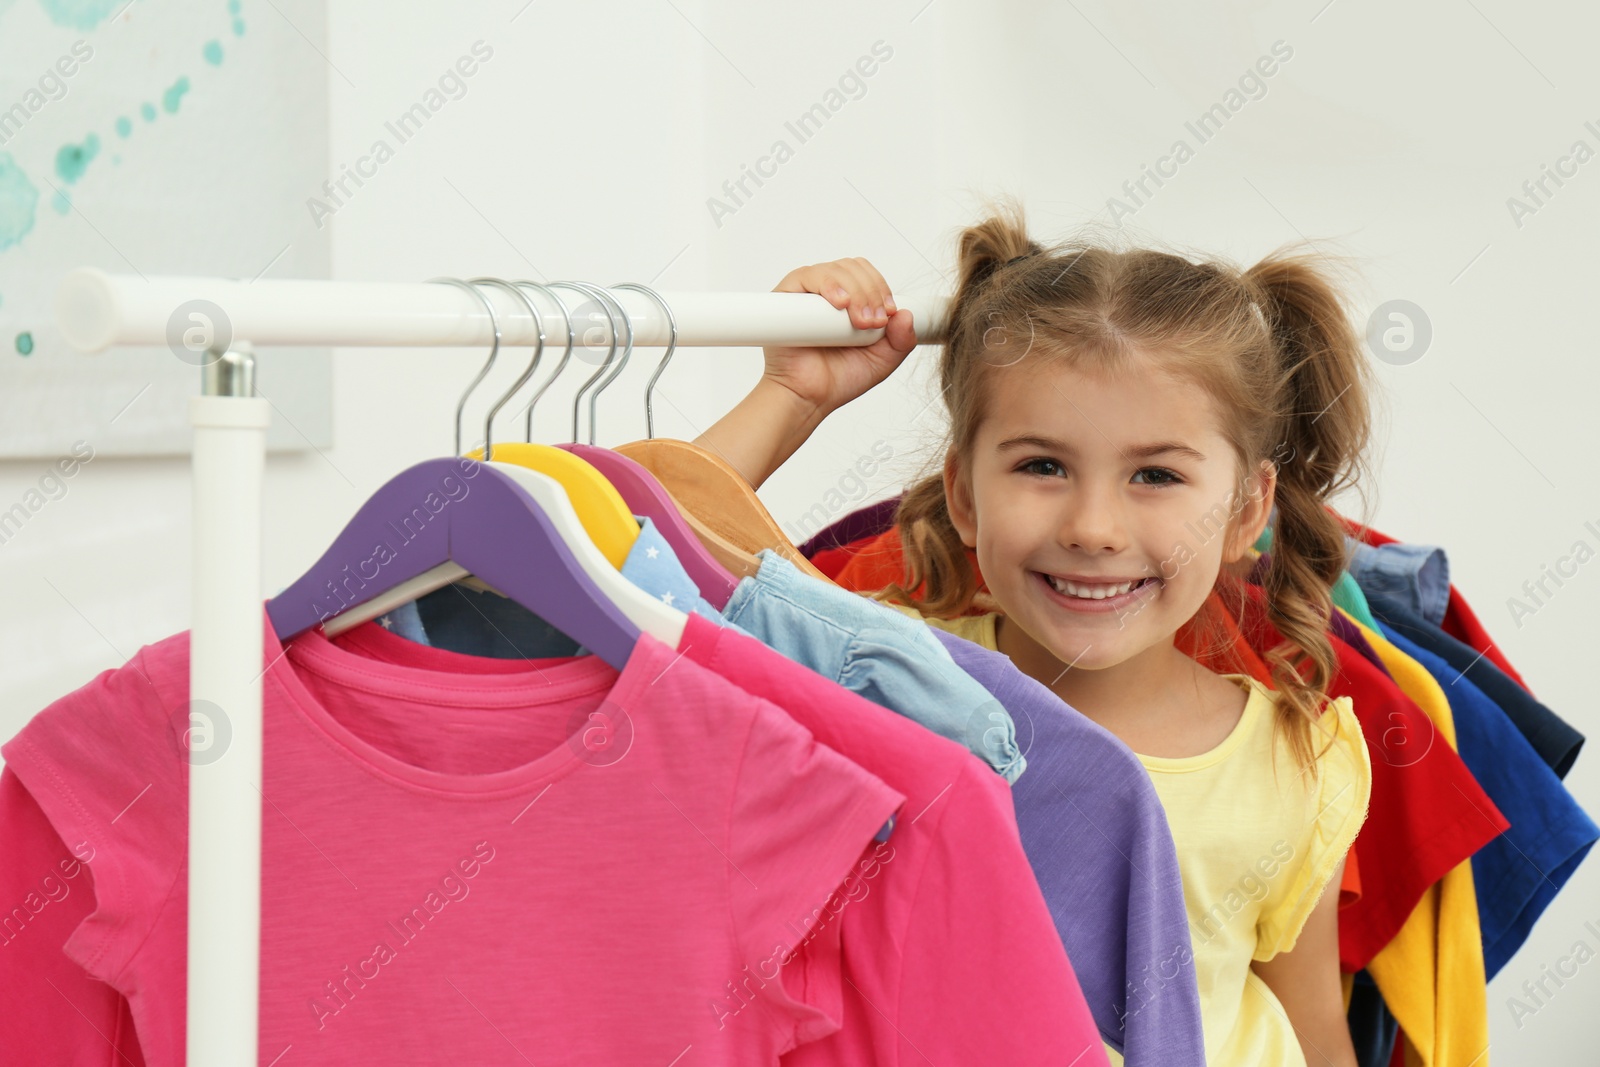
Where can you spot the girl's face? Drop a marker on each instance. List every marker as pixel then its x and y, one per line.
pixel 1079 485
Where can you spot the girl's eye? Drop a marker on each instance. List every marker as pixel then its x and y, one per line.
pixel 1164 476
pixel 1049 468
pixel 1045 468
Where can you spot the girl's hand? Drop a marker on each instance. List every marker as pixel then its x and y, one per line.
pixel 829 377
pixel 802 386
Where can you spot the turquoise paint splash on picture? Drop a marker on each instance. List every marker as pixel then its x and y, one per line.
pixel 18 201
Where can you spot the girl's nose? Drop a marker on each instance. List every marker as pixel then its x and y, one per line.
pixel 1093 521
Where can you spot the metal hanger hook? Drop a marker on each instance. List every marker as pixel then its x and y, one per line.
pixel 494 351
pixel 594 397
pixel 672 346
pixel 522 379
pixel 561 365
pixel 612 310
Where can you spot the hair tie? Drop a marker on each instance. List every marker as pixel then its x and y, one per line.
pixel 1016 259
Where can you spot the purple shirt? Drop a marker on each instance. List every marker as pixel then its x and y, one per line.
pixel 1097 837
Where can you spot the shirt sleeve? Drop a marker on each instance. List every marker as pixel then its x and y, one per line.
pixel 1336 808
pixel 801 817
pixel 912 675
pixel 55 1013
pixel 106 766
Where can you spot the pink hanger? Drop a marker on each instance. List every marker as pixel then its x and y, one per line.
pixel 646 497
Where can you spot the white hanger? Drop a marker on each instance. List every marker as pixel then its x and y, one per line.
pixel 651 616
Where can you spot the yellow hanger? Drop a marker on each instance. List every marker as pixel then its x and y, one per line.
pixel 601 509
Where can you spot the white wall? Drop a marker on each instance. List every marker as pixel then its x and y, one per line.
pixel 588 146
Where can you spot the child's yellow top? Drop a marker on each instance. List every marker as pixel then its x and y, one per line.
pixel 1258 841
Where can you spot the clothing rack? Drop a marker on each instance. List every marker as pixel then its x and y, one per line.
pixel 96 311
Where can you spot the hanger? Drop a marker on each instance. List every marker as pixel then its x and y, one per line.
pixel 650 386
pixel 645 495
pixel 718 504
pixel 652 616
pixel 442 519
pixel 553 494
pixel 538 344
pixel 494 349
pixel 515 530
pixel 604 514
pixel 557 480
pixel 566 356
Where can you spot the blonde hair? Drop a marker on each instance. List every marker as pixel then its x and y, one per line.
pixel 1271 345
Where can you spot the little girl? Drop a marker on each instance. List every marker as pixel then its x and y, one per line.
pixel 1122 426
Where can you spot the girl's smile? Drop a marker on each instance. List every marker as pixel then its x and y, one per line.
pixel 1099 596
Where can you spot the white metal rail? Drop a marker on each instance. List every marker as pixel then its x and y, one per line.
pixel 97 310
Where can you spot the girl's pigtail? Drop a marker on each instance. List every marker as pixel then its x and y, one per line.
pixel 1326 424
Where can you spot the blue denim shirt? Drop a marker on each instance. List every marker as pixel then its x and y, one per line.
pixel 1416 577
pixel 892 660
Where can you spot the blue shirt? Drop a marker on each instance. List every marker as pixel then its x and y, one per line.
pixel 1518 874
pixel 1552 737
pixel 873 650
pixel 1416 576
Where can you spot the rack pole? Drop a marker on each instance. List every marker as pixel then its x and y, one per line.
pixel 97 310
pixel 224 739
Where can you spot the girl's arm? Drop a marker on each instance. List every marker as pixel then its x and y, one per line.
pixel 1306 982
pixel 802 386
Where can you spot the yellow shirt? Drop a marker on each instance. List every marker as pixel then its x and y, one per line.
pixel 1257 842
pixel 1432 975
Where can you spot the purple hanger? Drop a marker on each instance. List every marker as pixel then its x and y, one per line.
pixel 645 496
pixel 468 513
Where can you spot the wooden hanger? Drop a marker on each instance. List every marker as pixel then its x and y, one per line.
pixel 718 503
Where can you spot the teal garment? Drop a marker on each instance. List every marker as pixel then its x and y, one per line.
pixel 1346 593
pixel 891 659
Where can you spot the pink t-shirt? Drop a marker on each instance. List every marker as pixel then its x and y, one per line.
pixel 949 951
pixel 51 1011
pixel 566 865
